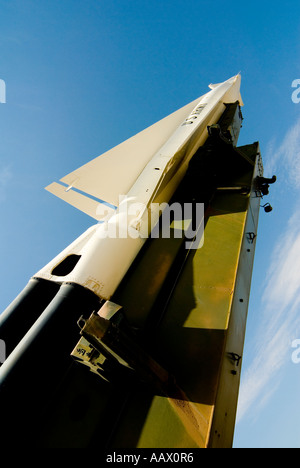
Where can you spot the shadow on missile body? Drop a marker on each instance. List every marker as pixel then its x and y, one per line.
pixel 49 400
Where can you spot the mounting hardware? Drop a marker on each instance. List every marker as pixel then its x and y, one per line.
pixel 111 349
pixel 263 184
pixel 267 207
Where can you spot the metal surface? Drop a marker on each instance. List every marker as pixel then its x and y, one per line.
pixel 203 322
pixel 168 342
pixel 190 313
pixel 144 178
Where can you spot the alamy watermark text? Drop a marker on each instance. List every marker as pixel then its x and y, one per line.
pixel 134 219
pixel 296 93
pixel 296 353
pixel 2 92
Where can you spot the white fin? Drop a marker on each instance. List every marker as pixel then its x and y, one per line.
pixel 93 208
pixel 213 86
pixel 114 172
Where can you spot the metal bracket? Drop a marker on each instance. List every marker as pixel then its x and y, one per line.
pixel 87 355
pixel 110 349
pixel 238 189
pixel 262 185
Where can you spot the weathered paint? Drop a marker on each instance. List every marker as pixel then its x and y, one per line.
pixel 203 322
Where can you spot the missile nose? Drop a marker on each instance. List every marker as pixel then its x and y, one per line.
pixel 233 94
pixel 238 79
pixel 235 78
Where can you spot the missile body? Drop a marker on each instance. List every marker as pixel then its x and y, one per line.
pixel 138 176
pixel 124 190
pixel 25 310
pixel 87 273
pixel 106 251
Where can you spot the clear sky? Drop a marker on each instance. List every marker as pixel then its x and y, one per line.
pixel 83 75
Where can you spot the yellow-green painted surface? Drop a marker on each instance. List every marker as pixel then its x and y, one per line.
pixel 203 321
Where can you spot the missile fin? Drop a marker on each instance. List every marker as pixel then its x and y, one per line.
pixel 213 86
pixel 96 209
pixel 114 172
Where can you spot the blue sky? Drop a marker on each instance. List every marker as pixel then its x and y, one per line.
pixel 82 76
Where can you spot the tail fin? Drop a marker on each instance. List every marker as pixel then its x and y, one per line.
pixel 114 172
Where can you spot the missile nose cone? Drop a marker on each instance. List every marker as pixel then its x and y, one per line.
pixel 236 79
pixel 233 93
